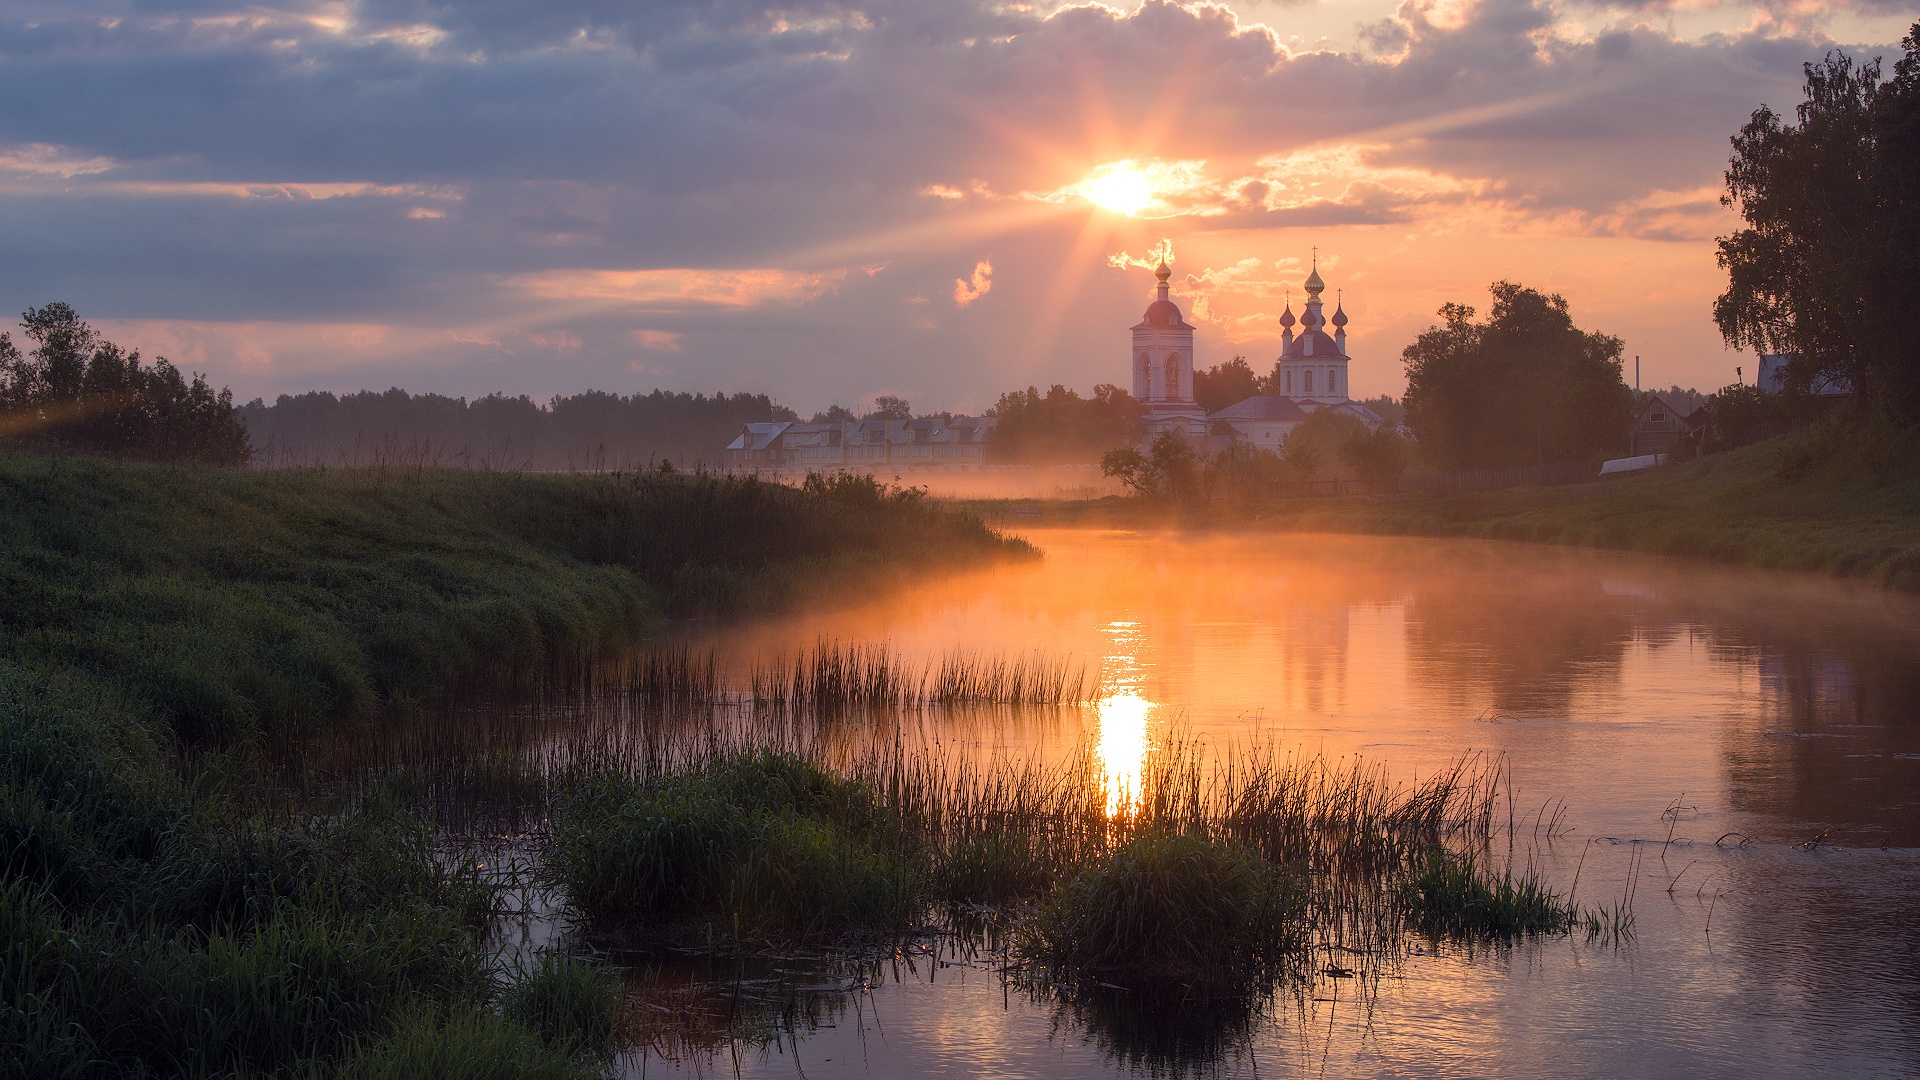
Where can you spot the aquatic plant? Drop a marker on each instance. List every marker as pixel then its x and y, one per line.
pixel 574 1005
pixel 1171 908
pixel 762 844
pixel 1452 895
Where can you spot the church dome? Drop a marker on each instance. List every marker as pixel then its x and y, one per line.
pixel 1314 285
pixel 1286 317
pixel 1164 313
pixel 1339 315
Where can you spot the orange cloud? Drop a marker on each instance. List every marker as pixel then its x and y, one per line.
pixel 662 340
pixel 966 291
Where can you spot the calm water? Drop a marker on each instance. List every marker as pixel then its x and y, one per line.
pixel 1658 701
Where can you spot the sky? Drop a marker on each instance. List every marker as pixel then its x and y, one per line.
pixel 829 200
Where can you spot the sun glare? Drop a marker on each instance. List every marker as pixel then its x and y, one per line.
pixel 1118 187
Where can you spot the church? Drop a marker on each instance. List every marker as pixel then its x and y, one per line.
pixel 1312 373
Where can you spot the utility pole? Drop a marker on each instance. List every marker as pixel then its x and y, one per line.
pixel 1636 373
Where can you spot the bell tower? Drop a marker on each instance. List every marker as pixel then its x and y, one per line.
pixel 1162 364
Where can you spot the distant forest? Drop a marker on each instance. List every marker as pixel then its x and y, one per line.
pixel 593 430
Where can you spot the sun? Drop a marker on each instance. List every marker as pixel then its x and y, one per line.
pixel 1120 187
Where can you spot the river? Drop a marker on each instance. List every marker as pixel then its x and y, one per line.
pixel 1738 751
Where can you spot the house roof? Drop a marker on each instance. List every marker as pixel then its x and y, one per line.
pixel 1261 407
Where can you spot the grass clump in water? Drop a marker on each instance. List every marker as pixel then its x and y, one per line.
pixel 1451 895
pixel 1172 908
pixel 768 845
pixel 574 1005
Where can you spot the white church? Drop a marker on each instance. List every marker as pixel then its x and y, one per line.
pixel 1313 373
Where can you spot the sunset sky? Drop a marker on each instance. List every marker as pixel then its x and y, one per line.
pixel 829 201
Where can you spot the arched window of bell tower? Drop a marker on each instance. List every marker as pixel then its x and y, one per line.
pixel 1173 375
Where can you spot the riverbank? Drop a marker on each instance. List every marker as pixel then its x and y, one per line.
pixel 162 910
pixel 1830 500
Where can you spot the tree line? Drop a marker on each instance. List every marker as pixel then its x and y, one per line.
pixel 72 390
pixel 591 430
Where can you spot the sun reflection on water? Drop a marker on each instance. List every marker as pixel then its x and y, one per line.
pixel 1123 748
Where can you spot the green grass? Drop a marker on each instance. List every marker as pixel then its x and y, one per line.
pixel 240 602
pixel 1841 498
pixel 167 906
pixel 1835 499
pixel 764 845
pixel 1452 895
pixel 1171 907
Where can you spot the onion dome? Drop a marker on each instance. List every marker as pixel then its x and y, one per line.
pixel 1339 314
pixel 1163 274
pixel 1314 285
pixel 1286 317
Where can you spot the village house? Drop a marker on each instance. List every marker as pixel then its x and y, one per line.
pixel 928 444
pixel 1660 428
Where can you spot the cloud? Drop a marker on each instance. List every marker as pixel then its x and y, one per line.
pixel 680 288
pixel 966 291
pixel 468 174
pixel 662 340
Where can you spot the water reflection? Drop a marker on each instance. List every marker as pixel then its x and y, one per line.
pixel 1122 746
pixel 1783 712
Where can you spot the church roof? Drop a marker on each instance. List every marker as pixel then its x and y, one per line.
pixel 1312 344
pixel 1261 407
pixel 1163 314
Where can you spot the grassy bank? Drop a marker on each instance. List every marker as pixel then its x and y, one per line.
pixel 1827 499
pixel 162 912
pixel 1842 499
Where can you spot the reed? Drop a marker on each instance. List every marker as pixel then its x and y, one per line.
pixel 1452 895
pixel 836 676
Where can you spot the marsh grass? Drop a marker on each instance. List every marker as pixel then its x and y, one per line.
pixel 575 1006
pixel 174 902
pixel 1172 908
pixel 837 676
pixel 1453 895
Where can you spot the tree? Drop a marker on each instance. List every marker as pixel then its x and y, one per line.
pixel 1060 425
pixel 1318 440
pixel 834 414
pixel 1828 268
pixel 1524 386
pixel 1170 468
pixel 75 390
pixel 1378 457
pixel 1225 384
pixel 889 407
